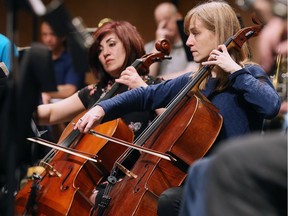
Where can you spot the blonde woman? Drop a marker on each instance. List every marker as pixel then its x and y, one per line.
pixel 240 90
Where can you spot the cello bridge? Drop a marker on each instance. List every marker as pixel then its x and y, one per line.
pixel 126 171
pixel 50 169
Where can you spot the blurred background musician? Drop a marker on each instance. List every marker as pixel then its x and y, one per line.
pixel 166 16
pixel 272 46
pixel 67 79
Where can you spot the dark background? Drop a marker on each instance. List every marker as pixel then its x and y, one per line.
pixel 139 13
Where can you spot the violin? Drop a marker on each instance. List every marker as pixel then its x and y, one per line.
pixel 188 115
pixel 80 162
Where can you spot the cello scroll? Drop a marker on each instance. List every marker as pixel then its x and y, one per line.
pixel 142 65
pixel 243 35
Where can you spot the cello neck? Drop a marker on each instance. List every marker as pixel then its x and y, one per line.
pixel 116 87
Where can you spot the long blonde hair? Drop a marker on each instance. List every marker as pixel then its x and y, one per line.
pixel 220 18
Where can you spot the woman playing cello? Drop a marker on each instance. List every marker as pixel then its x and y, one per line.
pixel 240 89
pixel 117 45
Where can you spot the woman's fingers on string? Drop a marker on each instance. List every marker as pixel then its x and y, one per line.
pixel 88 126
pixel 222 47
pixel 79 125
pixel 212 57
pixel 85 123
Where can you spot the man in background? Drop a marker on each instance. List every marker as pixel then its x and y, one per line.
pixel 68 80
pixel 166 16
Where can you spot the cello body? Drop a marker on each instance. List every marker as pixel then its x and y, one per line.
pixel 65 187
pixel 187 134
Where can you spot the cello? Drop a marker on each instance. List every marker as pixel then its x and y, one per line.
pixel 191 112
pixel 68 180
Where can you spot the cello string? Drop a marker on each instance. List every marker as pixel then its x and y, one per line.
pixel 66 143
pixel 50 155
